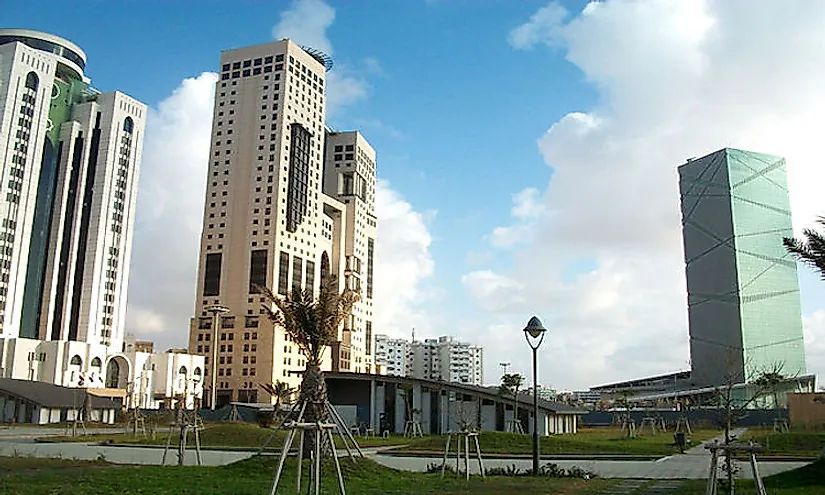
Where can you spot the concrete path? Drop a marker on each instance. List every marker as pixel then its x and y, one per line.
pixel 701 450
pixel 30 433
pixel 118 455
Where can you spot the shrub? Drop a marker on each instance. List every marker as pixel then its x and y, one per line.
pixel 265 418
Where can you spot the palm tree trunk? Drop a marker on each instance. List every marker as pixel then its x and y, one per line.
pixel 516 421
pixel 314 395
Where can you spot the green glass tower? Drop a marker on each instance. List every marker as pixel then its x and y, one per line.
pixel 743 292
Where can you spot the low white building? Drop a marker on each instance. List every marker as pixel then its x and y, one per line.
pixel 25 401
pixel 140 377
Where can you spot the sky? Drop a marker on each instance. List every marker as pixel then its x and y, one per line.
pixel 527 154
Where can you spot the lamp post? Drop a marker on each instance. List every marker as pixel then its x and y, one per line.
pixel 216 310
pixel 534 334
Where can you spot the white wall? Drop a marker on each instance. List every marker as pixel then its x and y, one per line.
pixel 145 374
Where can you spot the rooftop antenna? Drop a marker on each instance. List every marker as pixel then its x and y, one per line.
pixel 413 334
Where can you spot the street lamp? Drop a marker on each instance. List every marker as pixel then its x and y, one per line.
pixel 534 333
pixel 216 310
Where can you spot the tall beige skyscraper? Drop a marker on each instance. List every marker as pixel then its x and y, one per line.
pixel 267 219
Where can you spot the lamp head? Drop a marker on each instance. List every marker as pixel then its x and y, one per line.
pixel 534 328
pixel 217 309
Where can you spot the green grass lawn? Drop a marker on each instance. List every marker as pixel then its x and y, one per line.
pixel 254 476
pixel 586 441
pixel 25 476
pixel 242 435
pixel 795 442
pixel 807 480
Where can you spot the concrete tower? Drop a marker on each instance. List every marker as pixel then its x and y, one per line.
pixel 743 290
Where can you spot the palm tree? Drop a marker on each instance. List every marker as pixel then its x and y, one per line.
pixel 811 249
pixel 280 390
pixel 510 385
pixel 312 323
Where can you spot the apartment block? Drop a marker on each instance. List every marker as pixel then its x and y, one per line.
pixel 390 355
pixel 275 215
pixel 444 358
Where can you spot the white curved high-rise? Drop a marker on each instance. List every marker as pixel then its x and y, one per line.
pixel 69 163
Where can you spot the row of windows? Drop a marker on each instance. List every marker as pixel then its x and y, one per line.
pixel 253 62
pixel 205 348
pixel 228 372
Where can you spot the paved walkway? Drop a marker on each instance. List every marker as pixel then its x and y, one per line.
pixel 118 455
pixel 30 433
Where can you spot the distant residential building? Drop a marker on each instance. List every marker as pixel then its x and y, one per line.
pixel 459 361
pixel 390 355
pixel 743 290
pixel 444 359
pixel 586 396
pixel 545 393
pixel 132 345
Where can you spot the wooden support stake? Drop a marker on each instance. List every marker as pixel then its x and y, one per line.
pixel 478 453
pixel 446 454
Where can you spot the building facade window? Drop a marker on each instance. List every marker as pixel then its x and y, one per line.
pixel 297 273
pixel 257 270
pixel 300 146
pixel 283 274
pixel 212 275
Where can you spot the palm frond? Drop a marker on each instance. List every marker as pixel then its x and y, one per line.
pixel 810 250
pixel 312 323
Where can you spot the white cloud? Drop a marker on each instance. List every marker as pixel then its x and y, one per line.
pixel 344 88
pixel 306 22
pixel 379 126
pixel 543 26
pixel 373 66
pixel 528 209
pixel 170 211
pixel 675 80
pixel 814 327
pixel 403 263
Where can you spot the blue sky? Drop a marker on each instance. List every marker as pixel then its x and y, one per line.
pixel 468 103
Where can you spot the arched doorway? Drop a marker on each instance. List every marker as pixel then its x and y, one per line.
pixel 324 266
pixel 117 372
